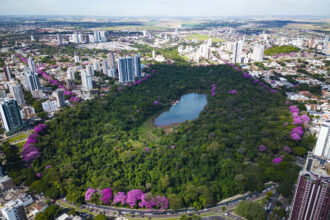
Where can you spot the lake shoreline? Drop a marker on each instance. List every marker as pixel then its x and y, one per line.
pixel 194 102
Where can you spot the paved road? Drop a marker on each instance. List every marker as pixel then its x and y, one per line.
pixel 115 211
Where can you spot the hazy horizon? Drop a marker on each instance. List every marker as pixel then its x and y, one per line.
pixel 172 8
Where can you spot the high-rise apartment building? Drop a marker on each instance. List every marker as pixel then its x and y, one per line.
pixel 325 42
pixel 7 73
pixel 32 65
pixel 76 59
pixel 14 210
pixel 86 80
pixel 17 93
pixel 70 73
pixel 10 114
pixel 126 69
pixel 312 196
pixel 105 67
pixel 205 51
pixel 90 70
pixel 99 36
pixel 96 65
pixel 237 52
pixel 59 95
pixel 322 147
pixel 59 40
pixel 258 52
pixel 111 60
pixel 32 82
pixel 137 66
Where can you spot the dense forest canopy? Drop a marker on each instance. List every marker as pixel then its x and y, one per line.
pixel 102 143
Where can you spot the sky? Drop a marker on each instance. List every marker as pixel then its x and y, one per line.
pixel 197 8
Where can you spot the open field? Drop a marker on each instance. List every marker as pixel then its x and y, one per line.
pixel 310 26
pixel 201 37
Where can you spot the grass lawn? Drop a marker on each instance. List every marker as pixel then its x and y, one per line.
pixel 19 137
pixel 201 37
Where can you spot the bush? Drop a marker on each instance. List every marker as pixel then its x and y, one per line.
pixel 251 210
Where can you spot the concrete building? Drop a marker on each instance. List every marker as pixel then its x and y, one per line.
pixel 7 73
pixel 322 147
pixel 59 95
pixel 17 93
pixel 32 82
pixel 28 112
pixel 237 52
pixel 105 67
pixel 32 65
pixel 14 210
pixel 90 70
pixel 10 114
pixel 137 66
pixel 6 183
pixel 111 60
pixel 205 51
pixel 258 52
pixel 86 80
pixel 76 59
pixel 96 65
pixel 126 69
pixel 49 106
pixel 38 207
pixel 70 73
pixel 312 196
pixel 59 40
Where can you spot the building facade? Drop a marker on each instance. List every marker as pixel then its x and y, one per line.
pixel 10 114
pixel 137 66
pixel 126 69
pixel 14 210
pixel 312 196
pixel 17 93
pixel 32 82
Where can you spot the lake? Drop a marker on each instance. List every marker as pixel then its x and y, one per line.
pixel 188 108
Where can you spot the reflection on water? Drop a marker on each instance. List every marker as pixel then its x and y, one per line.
pixel 188 108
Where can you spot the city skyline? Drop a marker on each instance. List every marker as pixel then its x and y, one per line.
pixel 194 8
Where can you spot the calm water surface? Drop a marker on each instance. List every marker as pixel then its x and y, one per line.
pixel 187 109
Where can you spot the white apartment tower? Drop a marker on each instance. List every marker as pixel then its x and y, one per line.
pixel 258 52
pixel 17 93
pixel 86 80
pixel 237 52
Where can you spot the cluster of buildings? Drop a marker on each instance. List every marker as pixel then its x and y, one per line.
pixel 96 37
pixel 312 195
pixel 13 107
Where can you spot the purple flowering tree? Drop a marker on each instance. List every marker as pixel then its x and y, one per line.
pixel 89 193
pixel 161 201
pixel 106 196
pixel 147 200
pixel 287 149
pixel 133 196
pixel 120 197
pixel 262 148
pixel 277 160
